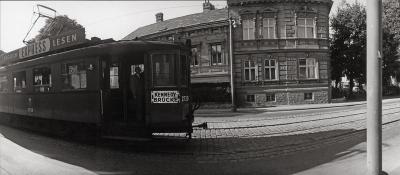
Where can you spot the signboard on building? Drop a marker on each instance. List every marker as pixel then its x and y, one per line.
pixel 52 43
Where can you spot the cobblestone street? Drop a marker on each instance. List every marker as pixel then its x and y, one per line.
pixel 267 141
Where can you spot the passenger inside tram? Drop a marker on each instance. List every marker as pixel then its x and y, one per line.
pixel 136 86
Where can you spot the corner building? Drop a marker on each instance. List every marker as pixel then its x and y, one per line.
pixel 280 48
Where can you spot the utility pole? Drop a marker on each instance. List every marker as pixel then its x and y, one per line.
pixel 374 87
pixel 231 64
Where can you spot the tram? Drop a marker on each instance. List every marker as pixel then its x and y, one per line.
pixel 120 88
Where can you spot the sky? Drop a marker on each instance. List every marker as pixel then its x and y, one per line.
pixel 103 19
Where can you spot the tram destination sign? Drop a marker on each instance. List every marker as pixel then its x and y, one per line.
pixel 52 43
pixel 165 97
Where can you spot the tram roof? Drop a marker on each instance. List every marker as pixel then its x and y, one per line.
pixel 110 48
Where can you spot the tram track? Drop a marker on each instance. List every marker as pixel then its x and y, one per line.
pixel 276 150
pixel 315 134
pixel 287 149
pixel 319 117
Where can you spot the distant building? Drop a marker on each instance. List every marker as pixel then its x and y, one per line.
pixel 280 48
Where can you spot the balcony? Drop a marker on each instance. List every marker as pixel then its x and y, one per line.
pixel 209 70
pixel 288 43
pixel 210 74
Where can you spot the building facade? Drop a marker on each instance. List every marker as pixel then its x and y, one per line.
pixel 280 48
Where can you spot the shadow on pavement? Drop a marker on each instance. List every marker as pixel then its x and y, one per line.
pixel 280 155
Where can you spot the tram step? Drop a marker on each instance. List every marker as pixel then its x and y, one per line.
pixel 126 131
pixel 112 137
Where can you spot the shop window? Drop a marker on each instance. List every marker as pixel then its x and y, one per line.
pixel 270 97
pixel 216 54
pixel 114 76
pixel 74 76
pixel 195 60
pixel 3 84
pixel 250 70
pixel 268 29
pixel 308 68
pixel 270 69
pixel 42 79
pixel 19 81
pixel 248 29
pixel 308 96
pixel 305 28
pixel 250 98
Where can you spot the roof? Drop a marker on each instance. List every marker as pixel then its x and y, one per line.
pixel 183 21
pixel 107 47
pixel 243 2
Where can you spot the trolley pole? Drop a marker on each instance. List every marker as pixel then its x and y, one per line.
pixel 374 87
pixel 231 65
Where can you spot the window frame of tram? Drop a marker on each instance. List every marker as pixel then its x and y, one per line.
pixel 184 70
pixel 19 81
pixel 72 74
pixel 172 80
pixel 4 84
pixel 42 80
pixel 114 75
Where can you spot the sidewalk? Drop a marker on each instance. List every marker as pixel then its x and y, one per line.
pixel 353 161
pixel 278 108
pixel 204 112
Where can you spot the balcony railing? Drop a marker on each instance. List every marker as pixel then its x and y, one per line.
pixel 209 70
pixel 288 43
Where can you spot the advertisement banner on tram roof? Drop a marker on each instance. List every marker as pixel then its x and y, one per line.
pixel 51 43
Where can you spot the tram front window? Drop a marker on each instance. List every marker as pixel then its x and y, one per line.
pixel 164 71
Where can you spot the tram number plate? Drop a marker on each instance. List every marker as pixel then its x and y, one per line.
pixel 165 97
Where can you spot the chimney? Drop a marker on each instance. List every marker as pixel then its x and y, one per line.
pixel 159 17
pixel 207 6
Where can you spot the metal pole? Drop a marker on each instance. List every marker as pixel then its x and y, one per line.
pixel 374 87
pixel 231 66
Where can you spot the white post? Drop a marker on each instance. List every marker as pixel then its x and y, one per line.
pixel 231 66
pixel 374 87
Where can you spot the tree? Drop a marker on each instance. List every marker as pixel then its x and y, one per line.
pixel 1 52
pixel 348 44
pixel 391 17
pixel 56 26
pixel 391 40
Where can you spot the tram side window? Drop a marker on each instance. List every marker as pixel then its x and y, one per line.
pixel 74 76
pixel 114 82
pixel 3 84
pixel 19 81
pixel 42 79
pixel 164 70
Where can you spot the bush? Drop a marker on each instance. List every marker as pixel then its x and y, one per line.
pixel 390 90
pixel 338 92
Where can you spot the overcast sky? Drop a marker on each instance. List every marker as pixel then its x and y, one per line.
pixel 104 19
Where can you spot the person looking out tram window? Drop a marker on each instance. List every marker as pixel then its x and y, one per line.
pixel 136 85
pixel 42 79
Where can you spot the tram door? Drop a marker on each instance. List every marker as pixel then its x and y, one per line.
pixel 135 89
pixel 112 93
pixel 123 90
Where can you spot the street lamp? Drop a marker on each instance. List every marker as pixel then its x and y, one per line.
pixel 232 24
